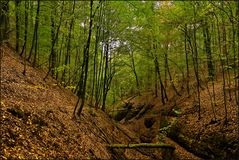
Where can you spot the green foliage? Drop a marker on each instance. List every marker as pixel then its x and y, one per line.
pixel 147 29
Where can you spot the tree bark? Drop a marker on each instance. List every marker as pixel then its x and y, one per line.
pixel 17 5
pixel 186 57
pixel 163 91
pixel 24 48
pixel 35 37
pixel 4 21
pixel 83 78
pixel 134 71
pixel 54 39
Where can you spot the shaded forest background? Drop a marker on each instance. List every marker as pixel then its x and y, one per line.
pixel 105 51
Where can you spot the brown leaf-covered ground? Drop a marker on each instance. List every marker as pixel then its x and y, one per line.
pixel 36 119
pixel 218 137
pixel 151 134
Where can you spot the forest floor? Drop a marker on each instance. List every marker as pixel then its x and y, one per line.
pixel 146 123
pixel 177 123
pixel 36 120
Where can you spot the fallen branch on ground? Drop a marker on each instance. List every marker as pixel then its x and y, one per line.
pixel 142 145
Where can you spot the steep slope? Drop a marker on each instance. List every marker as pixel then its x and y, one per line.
pixel 177 123
pixel 145 119
pixel 36 119
pixel 207 137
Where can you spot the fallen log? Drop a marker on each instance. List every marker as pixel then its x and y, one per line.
pixel 142 145
pixel 167 149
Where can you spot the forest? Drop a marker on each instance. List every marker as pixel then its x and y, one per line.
pixel 157 72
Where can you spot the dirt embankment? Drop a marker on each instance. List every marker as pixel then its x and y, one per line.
pixel 143 115
pixel 177 123
pixel 207 137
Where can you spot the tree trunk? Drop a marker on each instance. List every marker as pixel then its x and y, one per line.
pixel 163 91
pixel 4 21
pixel 95 71
pixel 17 5
pixel 207 44
pixel 222 68
pixel 238 56
pixel 68 47
pixel 82 90
pixel 195 64
pixel 169 73
pixel 24 48
pixel 54 39
pixel 34 40
pixel 135 73
pixel 105 87
pixel 186 54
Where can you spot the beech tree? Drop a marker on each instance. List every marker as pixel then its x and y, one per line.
pixel 105 51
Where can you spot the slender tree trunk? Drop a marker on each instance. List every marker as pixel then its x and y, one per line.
pixel 63 76
pixel 163 91
pixel 196 65
pixel 34 40
pixel 234 52
pixel 17 5
pixel 224 87
pixel 155 81
pixel 238 56
pixel 225 52
pixel 214 40
pixel 54 39
pixel 82 90
pixel 169 73
pixel 59 56
pixel 106 50
pixel 207 44
pixel 186 54
pixel 165 70
pixel 95 71
pixel 211 72
pixel 222 68
pixel 107 77
pixel 134 71
pixel 4 21
pixel 24 48
pixel 99 79
pixel 68 47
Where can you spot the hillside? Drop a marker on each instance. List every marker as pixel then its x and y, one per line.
pixel 119 79
pixel 36 119
pixel 36 122
pixel 177 123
